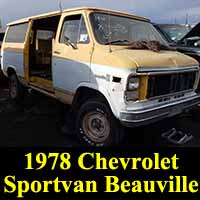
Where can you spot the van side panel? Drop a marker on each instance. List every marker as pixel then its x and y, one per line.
pixel 67 74
pixel 13 49
pixel 14 59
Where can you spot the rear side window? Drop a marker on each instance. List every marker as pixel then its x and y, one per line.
pixel 17 33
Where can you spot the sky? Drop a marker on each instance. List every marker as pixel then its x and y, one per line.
pixel 159 11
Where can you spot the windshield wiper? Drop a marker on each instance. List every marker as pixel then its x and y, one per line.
pixel 150 45
pixel 118 42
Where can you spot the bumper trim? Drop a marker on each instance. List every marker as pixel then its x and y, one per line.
pixel 144 117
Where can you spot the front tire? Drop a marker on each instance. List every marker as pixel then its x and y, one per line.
pixel 96 125
pixel 16 89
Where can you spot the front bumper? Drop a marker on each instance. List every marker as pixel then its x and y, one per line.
pixel 148 116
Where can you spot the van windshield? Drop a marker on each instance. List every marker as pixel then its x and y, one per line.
pixel 119 30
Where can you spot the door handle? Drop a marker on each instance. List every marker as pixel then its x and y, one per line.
pixel 57 52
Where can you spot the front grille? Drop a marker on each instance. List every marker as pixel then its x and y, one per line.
pixel 163 84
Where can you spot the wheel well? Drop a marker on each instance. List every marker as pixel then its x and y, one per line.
pixel 10 71
pixel 85 93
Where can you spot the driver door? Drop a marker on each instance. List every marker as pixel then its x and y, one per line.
pixel 72 54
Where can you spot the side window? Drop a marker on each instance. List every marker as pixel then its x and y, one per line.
pixel 17 33
pixel 43 39
pixel 74 29
pixel 83 36
pixel 44 35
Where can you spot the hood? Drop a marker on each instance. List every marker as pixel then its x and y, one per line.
pixel 193 33
pixel 146 58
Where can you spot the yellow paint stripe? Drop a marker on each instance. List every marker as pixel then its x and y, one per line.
pixel 143 87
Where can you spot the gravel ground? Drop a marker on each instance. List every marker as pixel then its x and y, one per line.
pixel 40 120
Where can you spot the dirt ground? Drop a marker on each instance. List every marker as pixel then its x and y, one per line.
pixel 39 122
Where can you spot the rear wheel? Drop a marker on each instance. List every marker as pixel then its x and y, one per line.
pixel 96 125
pixel 16 89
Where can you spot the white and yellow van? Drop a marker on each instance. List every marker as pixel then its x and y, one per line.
pixel 113 68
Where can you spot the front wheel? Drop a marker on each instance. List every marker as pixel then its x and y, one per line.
pixel 96 125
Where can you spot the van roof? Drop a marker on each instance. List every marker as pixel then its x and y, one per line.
pixel 23 20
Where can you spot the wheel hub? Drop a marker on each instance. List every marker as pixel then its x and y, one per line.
pixel 96 126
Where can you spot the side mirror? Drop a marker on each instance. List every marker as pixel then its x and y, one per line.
pixel 69 43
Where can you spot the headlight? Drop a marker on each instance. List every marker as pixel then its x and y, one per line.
pixel 132 93
pixel 133 83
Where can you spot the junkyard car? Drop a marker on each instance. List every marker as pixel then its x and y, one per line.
pixel 115 69
pixel 185 39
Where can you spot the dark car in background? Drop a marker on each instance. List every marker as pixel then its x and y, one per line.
pixel 185 38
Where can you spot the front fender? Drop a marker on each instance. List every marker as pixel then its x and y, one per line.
pixel 104 92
